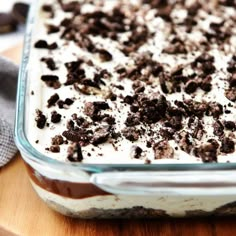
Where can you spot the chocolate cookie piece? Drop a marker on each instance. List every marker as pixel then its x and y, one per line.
pixel 185 141
pixel 53 99
pixel 208 152
pixel 231 94
pixel 7 23
pixel 49 62
pixel 40 119
pixel 218 128
pixel 191 86
pixel 42 44
pixel 227 145
pixel 54 148
pixel 78 135
pixel 53 29
pixel 57 140
pixel 100 136
pixel 131 134
pixel 163 149
pixel 104 55
pixel 47 8
pixel 232 81
pixel 75 153
pixel 20 11
pixel 230 125
pixel 55 117
pixel 136 152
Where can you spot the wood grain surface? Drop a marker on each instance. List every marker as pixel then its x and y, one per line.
pixel 23 213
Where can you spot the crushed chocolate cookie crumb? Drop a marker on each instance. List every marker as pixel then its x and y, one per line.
pixel 47 8
pixel 227 145
pixel 215 109
pixel 57 140
pixel 79 136
pixel 231 94
pixel 131 134
pixel 184 140
pixel 50 63
pixel 120 87
pixel 55 117
pixel 100 136
pixel 47 78
pixel 207 152
pixel 132 120
pixel 218 128
pixel 52 29
pixel 93 109
pixel 136 152
pixel 42 44
pixel 54 148
pixel 68 101
pixel 104 55
pixel 191 87
pixel 230 125
pixel 75 153
pixel 53 99
pixel 40 119
pixel 128 99
pixel 205 84
pixel 162 150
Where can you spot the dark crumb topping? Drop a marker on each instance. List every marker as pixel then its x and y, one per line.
pixel 40 119
pixel 51 81
pixel 207 152
pixel 100 136
pixel 136 152
pixel 227 145
pixel 54 148
pixel 50 63
pixel 230 125
pixel 47 78
pixel 55 117
pixel 57 140
pixel 42 44
pixel 104 55
pixel 163 149
pixel 53 29
pixel 53 99
pixel 160 100
pixel 75 153
pixel 47 8
pixel 131 134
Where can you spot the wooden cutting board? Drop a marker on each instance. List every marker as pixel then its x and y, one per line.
pixel 23 213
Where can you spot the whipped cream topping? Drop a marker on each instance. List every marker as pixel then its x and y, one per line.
pixel 158 88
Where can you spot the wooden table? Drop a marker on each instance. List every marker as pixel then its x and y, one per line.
pixel 23 213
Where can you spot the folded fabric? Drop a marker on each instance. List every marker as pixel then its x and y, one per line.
pixel 8 83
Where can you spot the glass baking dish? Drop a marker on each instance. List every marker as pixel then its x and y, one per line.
pixel 118 190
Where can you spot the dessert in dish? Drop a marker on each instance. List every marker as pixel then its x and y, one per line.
pixel 130 82
pixel 133 82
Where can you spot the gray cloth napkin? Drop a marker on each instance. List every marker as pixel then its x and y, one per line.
pixel 8 83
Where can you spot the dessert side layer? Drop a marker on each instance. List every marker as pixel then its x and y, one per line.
pixel 111 205
pixel 133 81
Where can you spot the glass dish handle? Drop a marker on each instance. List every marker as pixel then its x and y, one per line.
pixel 166 183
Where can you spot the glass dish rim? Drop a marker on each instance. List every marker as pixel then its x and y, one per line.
pixel 25 147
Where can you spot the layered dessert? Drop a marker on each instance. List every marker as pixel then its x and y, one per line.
pixel 132 82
